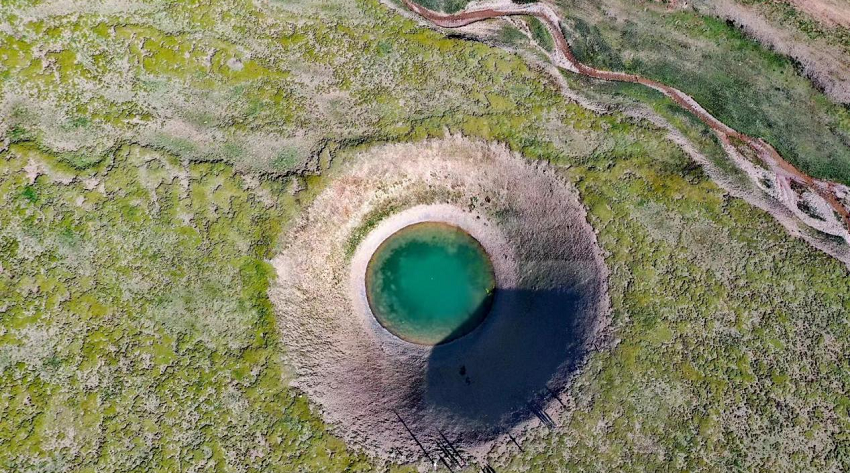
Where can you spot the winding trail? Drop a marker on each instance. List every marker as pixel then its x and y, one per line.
pixel 784 174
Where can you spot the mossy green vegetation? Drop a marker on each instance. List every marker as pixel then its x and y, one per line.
pixel 541 34
pixel 135 329
pixel 448 6
pixel 790 15
pixel 756 91
pixel 200 81
pixel 729 335
pixel 141 197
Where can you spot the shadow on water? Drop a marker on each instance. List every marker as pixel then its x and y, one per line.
pixel 501 373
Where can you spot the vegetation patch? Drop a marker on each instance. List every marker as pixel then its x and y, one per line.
pixel 135 328
pixel 541 34
pixel 751 89
pixel 143 156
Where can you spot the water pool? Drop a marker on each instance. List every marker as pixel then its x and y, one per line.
pixel 430 283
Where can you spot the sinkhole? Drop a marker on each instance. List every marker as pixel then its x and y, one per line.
pixel 430 283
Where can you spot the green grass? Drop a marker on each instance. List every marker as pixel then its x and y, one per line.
pixel 162 305
pixel 278 110
pixel 747 87
pixel 714 310
pixel 135 330
pixel 788 15
pixel 448 6
pixel 541 34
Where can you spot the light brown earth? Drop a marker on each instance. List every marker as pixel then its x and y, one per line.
pixel 550 307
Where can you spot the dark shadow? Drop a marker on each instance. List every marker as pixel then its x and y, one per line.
pixel 481 313
pixel 509 368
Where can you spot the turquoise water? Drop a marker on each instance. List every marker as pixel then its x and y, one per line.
pixel 430 283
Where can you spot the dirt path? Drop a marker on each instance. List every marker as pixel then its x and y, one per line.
pixel 794 189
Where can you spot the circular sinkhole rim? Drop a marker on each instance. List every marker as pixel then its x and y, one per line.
pixel 345 361
pixel 478 317
pixel 477 225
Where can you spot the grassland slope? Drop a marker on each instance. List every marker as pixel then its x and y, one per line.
pixel 141 190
